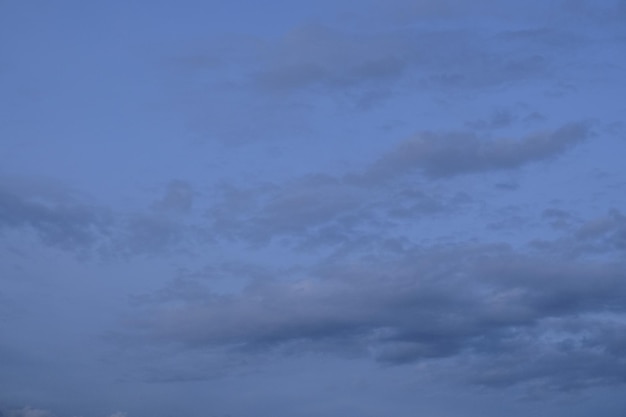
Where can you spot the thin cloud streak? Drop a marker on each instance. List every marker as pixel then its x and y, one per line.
pixel 444 155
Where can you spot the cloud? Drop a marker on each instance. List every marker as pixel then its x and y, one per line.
pixel 313 55
pixel 499 119
pixel 598 12
pixel 316 210
pixel 178 198
pixel 575 353
pixel 60 219
pixel 610 229
pixel 456 306
pixel 29 411
pixel 146 234
pixel 427 10
pixel 320 59
pixel 286 83
pixel 444 155
pixel 56 217
pixel 322 210
pixel 295 207
pixel 603 236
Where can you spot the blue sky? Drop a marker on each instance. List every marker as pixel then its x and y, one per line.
pixel 290 208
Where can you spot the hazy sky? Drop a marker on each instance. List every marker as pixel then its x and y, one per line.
pixel 346 208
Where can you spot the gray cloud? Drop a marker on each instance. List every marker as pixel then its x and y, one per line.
pixel 392 216
pixel 145 233
pixel 57 218
pixel 29 411
pixel 468 301
pixel 603 236
pixel 407 11
pixel 609 229
pixel 368 67
pixel 309 211
pixel 499 119
pixel 598 12
pixel 324 210
pixel 579 353
pixel 559 219
pixel 178 198
pixel 439 155
pixel 311 56
pixel 295 208
pixel 314 57
pixel 60 219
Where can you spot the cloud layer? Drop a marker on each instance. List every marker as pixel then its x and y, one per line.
pixel 462 304
pixel 312 208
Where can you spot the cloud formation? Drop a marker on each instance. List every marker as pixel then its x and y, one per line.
pixel 441 305
pixel 312 209
pixel 55 218
pixel 441 155
pixel 28 411
pixel 322 209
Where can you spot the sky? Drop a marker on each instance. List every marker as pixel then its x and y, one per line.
pixel 312 208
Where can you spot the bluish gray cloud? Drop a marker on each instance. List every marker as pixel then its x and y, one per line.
pixel 423 304
pixel 323 210
pixel 283 80
pixel 604 235
pixel 28 411
pixel 440 155
pixel 312 209
pixel 313 56
pixel 178 197
pixel 331 209
pixel 62 220
pixel 56 219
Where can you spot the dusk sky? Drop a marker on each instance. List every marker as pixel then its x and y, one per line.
pixel 346 208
